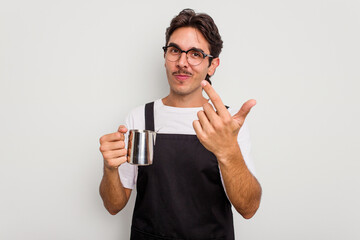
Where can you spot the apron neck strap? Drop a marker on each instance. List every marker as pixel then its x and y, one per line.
pixel 149 116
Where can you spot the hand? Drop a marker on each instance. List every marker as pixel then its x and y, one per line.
pixel 112 147
pixel 218 130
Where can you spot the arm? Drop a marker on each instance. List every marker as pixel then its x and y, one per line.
pixel 112 192
pixel 242 188
pixel 218 132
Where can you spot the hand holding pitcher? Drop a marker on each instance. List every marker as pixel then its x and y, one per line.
pixel 112 147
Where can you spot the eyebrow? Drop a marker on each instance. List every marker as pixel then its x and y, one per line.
pixel 177 46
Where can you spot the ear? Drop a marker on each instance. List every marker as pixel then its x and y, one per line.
pixel 214 64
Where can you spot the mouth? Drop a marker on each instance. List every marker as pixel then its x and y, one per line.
pixel 182 76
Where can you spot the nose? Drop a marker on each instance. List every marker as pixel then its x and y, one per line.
pixel 182 62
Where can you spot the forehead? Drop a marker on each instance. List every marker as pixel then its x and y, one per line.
pixel 189 37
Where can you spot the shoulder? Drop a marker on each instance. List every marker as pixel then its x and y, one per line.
pixel 136 112
pixel 136 117
pixel 139 110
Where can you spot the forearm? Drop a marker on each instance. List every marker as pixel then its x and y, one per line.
pixel 112 191
pixel 242 188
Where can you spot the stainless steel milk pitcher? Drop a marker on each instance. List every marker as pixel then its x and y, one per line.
pixel 141 147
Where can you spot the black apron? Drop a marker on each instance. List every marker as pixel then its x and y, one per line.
pixel 180 196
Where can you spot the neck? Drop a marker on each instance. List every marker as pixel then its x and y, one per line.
pixel 184 101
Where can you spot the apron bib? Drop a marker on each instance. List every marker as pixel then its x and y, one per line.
pixel 180 196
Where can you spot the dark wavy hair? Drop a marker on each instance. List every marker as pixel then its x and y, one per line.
pixel 203 23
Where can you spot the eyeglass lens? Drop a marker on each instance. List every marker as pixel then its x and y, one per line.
pixel 194 57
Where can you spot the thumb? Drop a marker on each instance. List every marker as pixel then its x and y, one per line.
pixel 122 129
pixel 244 110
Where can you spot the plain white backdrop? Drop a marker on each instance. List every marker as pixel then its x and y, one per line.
pixel 71 70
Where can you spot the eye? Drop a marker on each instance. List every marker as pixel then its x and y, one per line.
pixel 173 50
pixel 196 54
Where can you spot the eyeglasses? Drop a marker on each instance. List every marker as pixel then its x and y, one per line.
pixel 194 56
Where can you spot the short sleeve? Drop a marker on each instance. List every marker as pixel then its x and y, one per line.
pixel 245 144
pixel 245 147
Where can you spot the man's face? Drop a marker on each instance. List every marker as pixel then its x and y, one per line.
pixel 183 78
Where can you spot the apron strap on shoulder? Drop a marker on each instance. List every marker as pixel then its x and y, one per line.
pixel 149 116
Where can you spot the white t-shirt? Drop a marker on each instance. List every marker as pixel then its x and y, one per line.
pixel 176 121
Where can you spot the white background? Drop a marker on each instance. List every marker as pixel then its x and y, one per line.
pixel 71 70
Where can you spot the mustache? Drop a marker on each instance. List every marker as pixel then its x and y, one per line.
pixel 180 72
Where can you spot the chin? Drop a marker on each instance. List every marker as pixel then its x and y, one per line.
pixel 180 92
pixel 183 90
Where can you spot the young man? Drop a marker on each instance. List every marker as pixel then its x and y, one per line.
pixel 201 157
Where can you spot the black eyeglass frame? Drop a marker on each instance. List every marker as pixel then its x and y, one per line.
pixel 186 52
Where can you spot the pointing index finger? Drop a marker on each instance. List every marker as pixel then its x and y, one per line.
pixel 214 97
